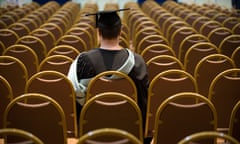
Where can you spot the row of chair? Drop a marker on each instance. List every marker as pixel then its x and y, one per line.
pixel 180 113
pixel 134 27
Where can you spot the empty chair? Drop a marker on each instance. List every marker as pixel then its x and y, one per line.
pixel 164 85
pixel 26 55
pixel 146 31
pixel 46 36
pixel 113 81
pixel 236 57
pixel 208 26
pixel 178 36
pixel 229 44
pixel 161 63
pixel 155 50
pixel 175 120
pixel 35 44
pixel 234 123
pixel 217 35
pixel 58 63
pixel 30 23
pixel 149 40
pixel 66 50
pixel 196 52
pixel 73 41
pixel 8 37
pixel 173 27
pixel 109 135
pixel 83 34
pixel 195 137
pixel 208 68
pixel 236 29
pixel 230 22
pixel 27 136
pixel 188 42
pixel 224 93
pixel 15 72
pixel 54 29
pixel 112 110
pixel 20 29
pixel 6 97
pixel 40 115
pixel 57 86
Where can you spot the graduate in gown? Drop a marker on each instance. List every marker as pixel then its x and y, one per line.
pixel 110 56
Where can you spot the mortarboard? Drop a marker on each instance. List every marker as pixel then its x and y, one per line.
pixel 108 18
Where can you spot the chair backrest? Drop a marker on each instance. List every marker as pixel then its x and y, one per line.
pixel 236 57
pixel 74 41
pixel 54 29
pixel 66 50
pixel 6 96
pixel 179 35
pixel 161 63
pixel 234 123
pixel 84 34
pixel 196 52
pixel 35 44
pixel 149 40
pixel 8 37
pixel 46 36
pixel 20 29
pixel 208 68
pixel 236 29
pixel 164 85
pixel 102 83
pixel 183 119
pixel 38 114
pixel 111 110
pixel 155 50
pixel 217 35
pixel 26 55
pixel 208 26
pixel 57 86
pixel 58 63
pixel 109 135
pixel 229 44
pixel 143 33
pixel 195 137
pixel 188 42
pixel 224 93
pixel 6 132
pixel 15 72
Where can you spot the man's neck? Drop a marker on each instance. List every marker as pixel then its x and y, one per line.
pixel 110 44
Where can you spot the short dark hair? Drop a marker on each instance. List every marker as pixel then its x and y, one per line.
pixel 110 33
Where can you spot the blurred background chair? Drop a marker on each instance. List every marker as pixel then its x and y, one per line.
pixel 6 97
pixel 57 86
pixel 112 110
pixel 15 72
pixel 38 114
pixel 234 124
pixel 9 133
pixel 164 85
pixel 195 137
pixel 183 119
pixel 109 135
pixel 224 94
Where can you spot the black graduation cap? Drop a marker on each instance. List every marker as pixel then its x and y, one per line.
pixel 108 18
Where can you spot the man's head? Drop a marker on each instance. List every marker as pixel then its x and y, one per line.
pixel 108 23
